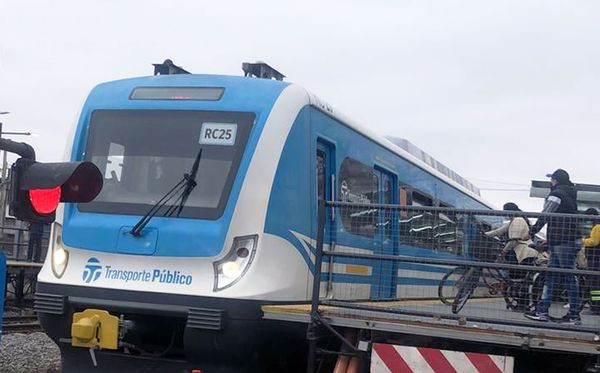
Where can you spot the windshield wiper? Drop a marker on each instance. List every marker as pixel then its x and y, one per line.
pixel 187 184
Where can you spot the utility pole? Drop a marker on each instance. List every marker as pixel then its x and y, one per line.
pixel 3 186
pixel 4 182
pixel 3 189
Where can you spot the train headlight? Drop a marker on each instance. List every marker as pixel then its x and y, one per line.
pixel 60 255
pixel 232 267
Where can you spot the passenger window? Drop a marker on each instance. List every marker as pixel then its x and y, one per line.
pixel 419 199
pixel 405 199
pixel 320 175
pixel 427 229
pixel 482 247
pixel 405 196
pixel 387 199
pixel 447 233
pixel 358 184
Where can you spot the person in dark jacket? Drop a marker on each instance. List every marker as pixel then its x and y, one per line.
pixel 562 234
pixel 36 230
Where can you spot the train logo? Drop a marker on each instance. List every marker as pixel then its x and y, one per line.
pixel 92 270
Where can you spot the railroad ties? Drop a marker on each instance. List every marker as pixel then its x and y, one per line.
pixel 20 324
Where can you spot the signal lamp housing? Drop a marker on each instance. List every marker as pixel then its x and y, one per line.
pixel 37 188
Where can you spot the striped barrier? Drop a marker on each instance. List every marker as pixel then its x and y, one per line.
pixel 387 358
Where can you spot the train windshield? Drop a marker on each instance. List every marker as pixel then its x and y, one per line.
pixel 144 153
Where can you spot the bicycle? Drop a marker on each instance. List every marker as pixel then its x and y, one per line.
pixel 459 284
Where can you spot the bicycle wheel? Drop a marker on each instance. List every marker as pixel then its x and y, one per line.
pixel 510 289
pixel 449 285
pixel 500 284
pixel 466 289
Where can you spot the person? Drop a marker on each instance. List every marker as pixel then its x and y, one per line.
pixel 517 229
pixel 517 250
pixel 592 248
pixel 562 234
pixel 34 246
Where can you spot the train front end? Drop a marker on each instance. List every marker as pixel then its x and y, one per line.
pixel 170 263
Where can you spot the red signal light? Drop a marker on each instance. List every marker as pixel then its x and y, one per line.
pixel 37 188
pixel 45 201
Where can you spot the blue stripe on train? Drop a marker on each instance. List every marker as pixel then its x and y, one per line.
pixel 358 279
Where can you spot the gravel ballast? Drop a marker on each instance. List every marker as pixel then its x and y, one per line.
pixel 29 353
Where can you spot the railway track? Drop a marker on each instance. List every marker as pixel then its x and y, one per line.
pixel 20 324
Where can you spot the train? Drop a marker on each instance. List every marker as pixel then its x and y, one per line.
pixel 208 212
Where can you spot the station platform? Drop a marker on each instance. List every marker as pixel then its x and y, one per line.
pixel 23 264
pixel 401 317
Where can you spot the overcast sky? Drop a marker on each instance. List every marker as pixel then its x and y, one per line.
pixel 501 91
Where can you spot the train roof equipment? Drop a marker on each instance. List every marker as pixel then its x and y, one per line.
pixel 432 162
pixel 168 68
pixel 262 70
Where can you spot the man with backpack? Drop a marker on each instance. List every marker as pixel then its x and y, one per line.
pixel 562 234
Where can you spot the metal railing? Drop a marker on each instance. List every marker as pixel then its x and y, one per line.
pixel 454 266
pixel 15 241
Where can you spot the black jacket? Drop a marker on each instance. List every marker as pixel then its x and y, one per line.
pixel 561 200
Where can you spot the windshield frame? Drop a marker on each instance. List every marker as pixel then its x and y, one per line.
pixel 244 120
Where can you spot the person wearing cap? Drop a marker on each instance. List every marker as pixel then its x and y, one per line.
pixel 592 248
pixel 562 235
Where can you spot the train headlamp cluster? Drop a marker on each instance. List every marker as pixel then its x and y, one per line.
pixel 60 255
pixel 232 267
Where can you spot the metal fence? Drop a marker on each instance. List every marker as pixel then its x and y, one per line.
pixel 16 242
pixel 456 266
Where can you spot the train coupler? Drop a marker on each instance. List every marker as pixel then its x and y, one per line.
pixel 95 329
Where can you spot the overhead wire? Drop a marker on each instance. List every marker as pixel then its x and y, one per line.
pixel 496 181
pixel 504 190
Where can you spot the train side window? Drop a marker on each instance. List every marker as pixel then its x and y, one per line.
pixel 446 231
pixel 405 196
pixel 320 174
pixel 386 195
pixel 387 199
pixel 482 247
pixel 419 199
pixel 358 184
pixel 417 228
pixel 404 199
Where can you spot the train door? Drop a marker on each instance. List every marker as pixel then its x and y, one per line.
pixel 384 272
pixel 326 183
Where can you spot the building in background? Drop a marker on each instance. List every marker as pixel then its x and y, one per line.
pixel 588 195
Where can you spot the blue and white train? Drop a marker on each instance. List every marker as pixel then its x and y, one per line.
pixel 190 285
